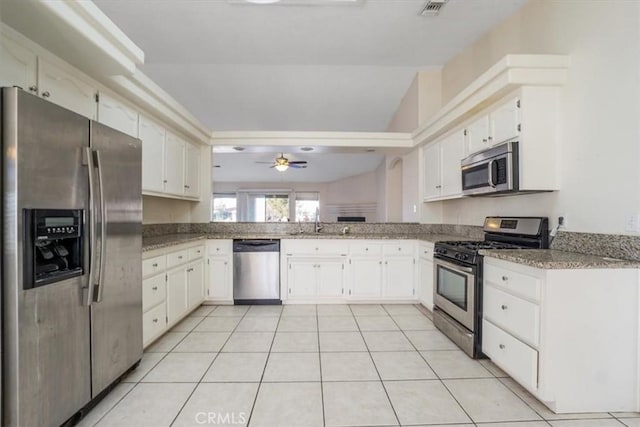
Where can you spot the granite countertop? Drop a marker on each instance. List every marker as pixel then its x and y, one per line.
pixel 552 259
pixel 163 241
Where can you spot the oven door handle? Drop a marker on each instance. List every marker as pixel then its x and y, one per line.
pixel 468 270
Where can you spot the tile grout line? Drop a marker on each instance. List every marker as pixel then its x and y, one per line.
pixel 430 367
pixel 264 369
pixel 197 384
pixel 395 414
pixel 136 383
pixel 324 418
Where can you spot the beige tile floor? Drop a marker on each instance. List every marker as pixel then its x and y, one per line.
pixel 326 365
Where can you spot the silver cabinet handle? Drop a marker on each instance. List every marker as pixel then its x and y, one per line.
pixel 484 139
pixel 386 262
pixel 366 249
pixel 33 88
pixel 399 249
pixel 316 249
pixel 46 94
pixel 225 263
pixel 502 346
pixel 164 181
pixel 155 288
pixel 380 262
pixel 217 249
pixel 504 307
pixel 489 138
pixel 505 278
pixel 155 320
pixel 180 257
pixel 155 264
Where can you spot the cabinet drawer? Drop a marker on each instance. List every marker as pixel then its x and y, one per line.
pixel 518 283
pixel 154 323
pixel 512 355
pixel 197 252
pixel 153 265
pixel 425 250
pixel 153 291
pixel 401 248
pixel 177 258
pixel 519 317
pixel 316 247
pixel 365 248
pixel 220 247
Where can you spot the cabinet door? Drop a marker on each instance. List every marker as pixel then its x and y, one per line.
pixel 504 122
pixel 478 134
pixel 303 279
pixel 220 285
pixel 174 165
pixel 176 294
pixel 366 277
pixel 18 66
pixel 117 115
pixel 399 278
pixel 152 136
pixel 452 149
pixel 432 183
pixel 67 90
pixel 331 279
pixel 192 170
pixel 426 283
pixel 195 283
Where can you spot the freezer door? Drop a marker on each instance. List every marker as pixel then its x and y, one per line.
pixel 46 355
pixel 116 314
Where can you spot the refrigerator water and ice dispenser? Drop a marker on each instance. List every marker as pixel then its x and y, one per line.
pixel 53 248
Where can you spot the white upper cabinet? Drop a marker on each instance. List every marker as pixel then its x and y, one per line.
pixel 174 164
pixel 442 178
pixel 477 133
pixel 452 153
pixel 67 90
pixel 153 139
pixel 18 66
pixel 432 183
pixel 192 170
pixel 505 121
pixel 117 115
pixel 498 125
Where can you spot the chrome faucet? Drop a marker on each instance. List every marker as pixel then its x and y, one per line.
pixel 318 227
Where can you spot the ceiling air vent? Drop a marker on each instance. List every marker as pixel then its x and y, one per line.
pixel 432 7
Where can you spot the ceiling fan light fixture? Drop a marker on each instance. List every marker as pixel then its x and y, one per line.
pixel 282 167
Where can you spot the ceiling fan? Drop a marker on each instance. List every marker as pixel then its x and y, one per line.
pixel 282 163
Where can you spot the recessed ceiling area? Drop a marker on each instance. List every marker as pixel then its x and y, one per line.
pixel 297 65
pixel 321 167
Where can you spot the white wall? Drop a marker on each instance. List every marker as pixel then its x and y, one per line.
pixel 381 191
pixel 410 186
pixel 600 129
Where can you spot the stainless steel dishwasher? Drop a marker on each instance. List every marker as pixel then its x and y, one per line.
pixel 256 271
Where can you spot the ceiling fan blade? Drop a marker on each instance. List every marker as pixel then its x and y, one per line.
pixel 295 166
pixel 298 162
pixel 265 163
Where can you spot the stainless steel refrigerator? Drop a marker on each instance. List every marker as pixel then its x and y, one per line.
pixel 71 259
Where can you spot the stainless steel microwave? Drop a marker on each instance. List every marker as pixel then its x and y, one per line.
pixel 494 170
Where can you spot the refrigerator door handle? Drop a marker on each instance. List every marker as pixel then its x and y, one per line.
pixel 103 230
pixel 92 225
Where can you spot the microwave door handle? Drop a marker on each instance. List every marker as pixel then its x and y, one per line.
pixel 92 225
pixel 491 163
pixel 103 230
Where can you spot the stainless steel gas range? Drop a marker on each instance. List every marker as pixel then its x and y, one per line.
pixel 457 288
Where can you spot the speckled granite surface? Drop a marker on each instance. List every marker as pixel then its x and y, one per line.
pixel 150 243
pixel 607 245
pixel 554 259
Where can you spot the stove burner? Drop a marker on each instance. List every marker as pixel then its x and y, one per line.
pixel 476 246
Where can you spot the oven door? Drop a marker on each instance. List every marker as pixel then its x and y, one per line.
pixel 454 291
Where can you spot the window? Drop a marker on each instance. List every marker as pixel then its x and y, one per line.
pixel 307 204
pixel 268 208
pixel 224 208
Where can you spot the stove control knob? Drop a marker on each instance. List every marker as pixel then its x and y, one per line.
pixel 465 257
pixel 458 256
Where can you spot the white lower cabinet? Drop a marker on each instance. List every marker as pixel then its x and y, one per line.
pixel 558 333
pixel 354 270
pixel 219 283
pixel 315 278
pixel 172 285
pixel 425 274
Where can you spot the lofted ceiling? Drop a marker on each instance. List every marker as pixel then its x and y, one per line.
pixel 321 168
pixel 302 66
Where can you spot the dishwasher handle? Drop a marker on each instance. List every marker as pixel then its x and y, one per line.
pixel 256 245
